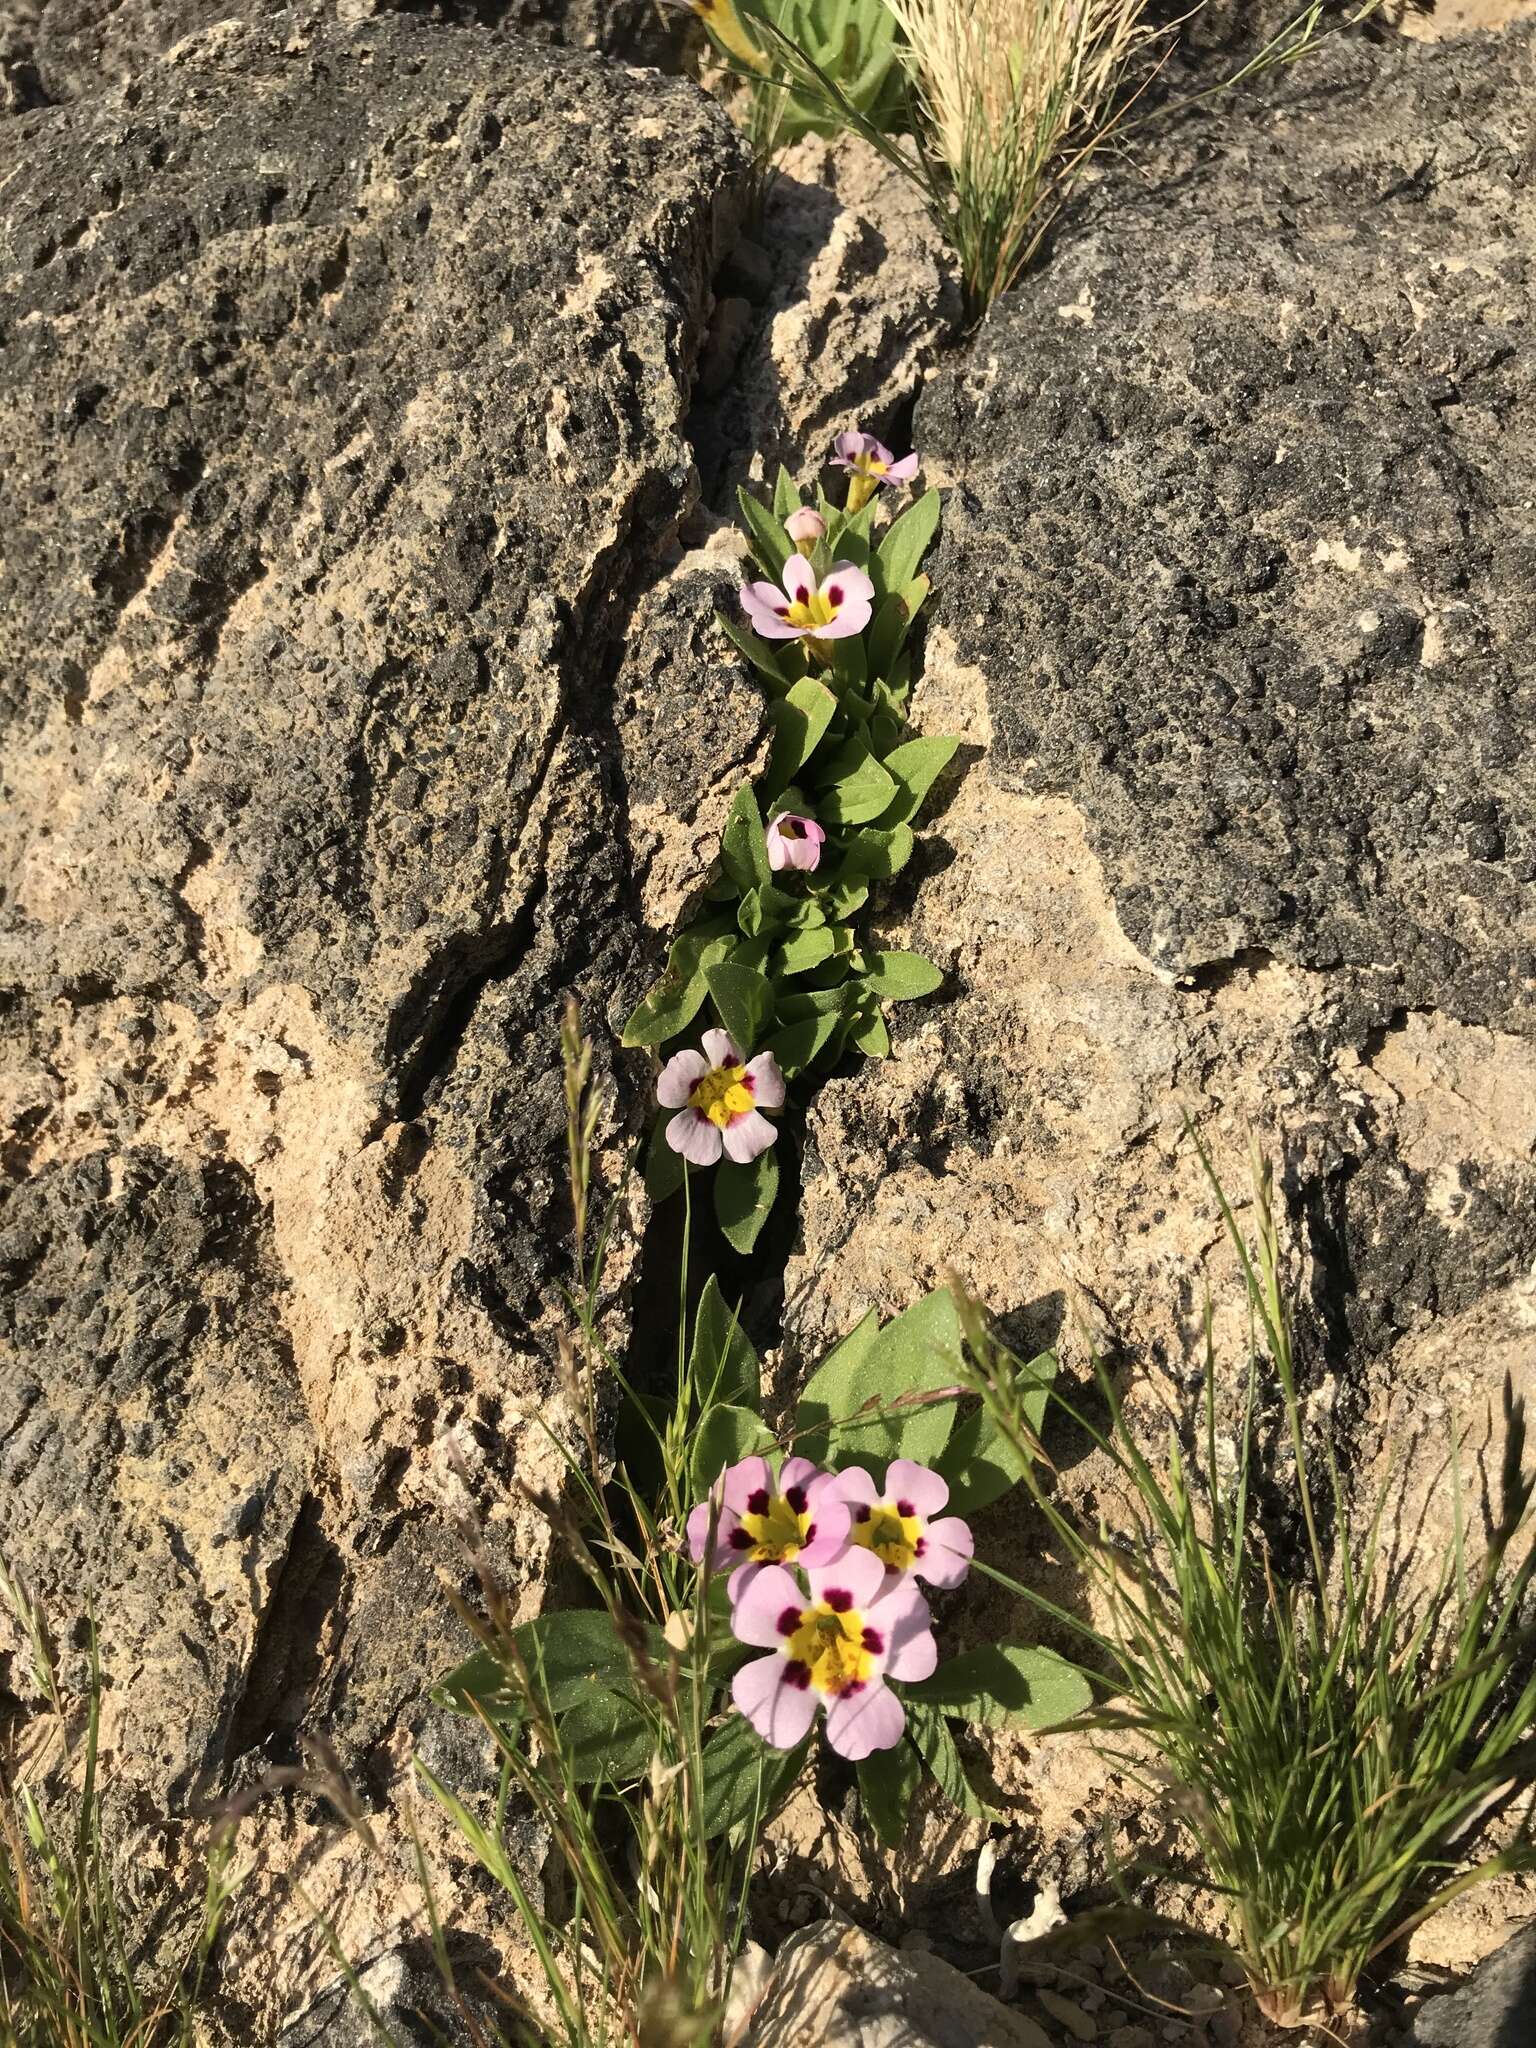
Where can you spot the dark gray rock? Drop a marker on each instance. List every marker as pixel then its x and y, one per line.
pixel 1495 2008
pixel 347 369
pixel 57 50
pixel 412 1999
pixel 1242 537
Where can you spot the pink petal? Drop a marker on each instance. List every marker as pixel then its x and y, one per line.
pixel 747 1136
pixel 801 853
pixel 852 443
pixel 850 579
pixel 780 1712
pixel 829 1519
pixel 675 1083
pixel 902 472
pixel 853 618
pixel 695 1137
pixel 799 578
pixel 901 1616
pixel 858 1573
pixel 698 1533
pixel 862 1722
pixel 767 1081
pixel 948 1548
pixel 856 1485
pixel 759 1616
pixel 721 1048
pixel 779 850
pixel 799 1471
pixel 752 1475
pixel 741 1578
pixel 767 613
pixel 923 1489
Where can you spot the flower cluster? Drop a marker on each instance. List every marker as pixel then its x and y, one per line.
pixel 824 1572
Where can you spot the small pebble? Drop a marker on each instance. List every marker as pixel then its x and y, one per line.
pixel 1232 1972
pixel 1090 1955
pixel 1131 2037
pixel 1091 1996
pixel 1202 2000
pixel 1069 2014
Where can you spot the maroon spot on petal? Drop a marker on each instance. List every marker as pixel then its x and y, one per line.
pixel 796 1499
pixel 780 611
pixel 837 1599
pixel 834 593
pixel 757 1503
pixel 789 1621
pixel 861 1513
pixel 874 1641
pixel 905 1508
pixel 854 1685
pixel 739 1540
pixel 920 1547
pixel 797 1674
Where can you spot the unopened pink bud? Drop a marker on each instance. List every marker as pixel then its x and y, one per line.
pixel 805 528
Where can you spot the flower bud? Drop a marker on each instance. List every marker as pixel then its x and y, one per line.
pixel 805 528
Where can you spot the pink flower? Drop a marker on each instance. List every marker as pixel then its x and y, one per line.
pixel 804 610
pixel 798 1518
pixel 717 1095
pixel 805 528
pixel 898 1526
pixel 870 464
pixel 835 1649
pixel 794 842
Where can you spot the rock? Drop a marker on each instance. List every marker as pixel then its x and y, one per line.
pixel 1240 542
pixel 1494 2008
pixel 343 460
pixel 407 1991
pixel 837 1987
pixel 77 47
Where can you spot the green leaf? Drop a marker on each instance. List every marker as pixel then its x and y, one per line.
pixel 872 1038
pixel 805 951
pixel 1005 1685
pixel 664 1168
pixel 764 655
pixel 850 662
pixel 980 1462
pixel 916 765
pixel 565 1653
pixel 743 1776
pixel 798 1045
pixel 744 999
pixel 892 622
pixel 899 977
pixel 743 846
pixel 800 721
pixel 670 1008
pixel 906 542
pixel 786 495
pixel 844 900
pixel 743 1197
pixel 722 1365
pixel 606 1735
pixel 811 1002
pixel 856 788
pixel 770 543
pixel 930 1731
pixel 852 1410
pixel 725 1437
pixel 878 854
pixel 888 1782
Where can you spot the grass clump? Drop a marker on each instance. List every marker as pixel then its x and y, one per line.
pixel 1333 1740
pixel 72 1975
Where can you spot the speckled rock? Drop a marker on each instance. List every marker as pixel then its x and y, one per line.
pixel 343 444
pixel 1495 2008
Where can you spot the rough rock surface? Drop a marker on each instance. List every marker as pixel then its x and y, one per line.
pixel 1495 2008
pixel 1241 822
pixel 835 1987
pixel 56 50
pixel 342 450
pixel 1256 548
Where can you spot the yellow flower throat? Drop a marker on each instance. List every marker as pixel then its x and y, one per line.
pixel 832 1649
pixel 817 610
pixel 774 1527
pixel 893 1537
pixel 722 1095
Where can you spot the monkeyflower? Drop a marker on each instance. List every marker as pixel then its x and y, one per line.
pixel 794 842
pixel 805 528
pixel 718 1097
pixel 897 1525
pixel 869 464
pixel 797 1517
pixel 833 1647
pixel 804 609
